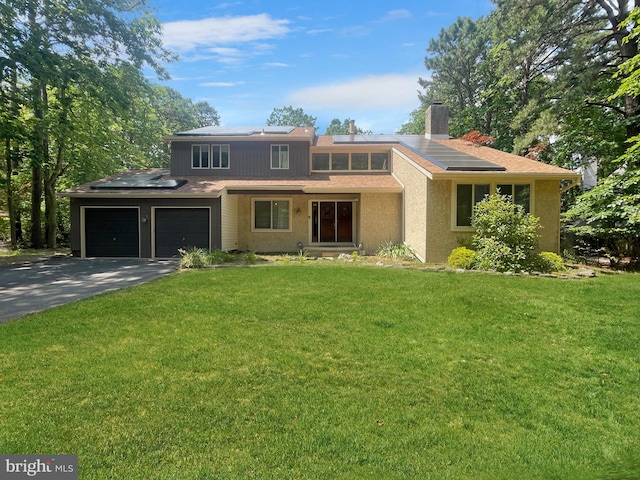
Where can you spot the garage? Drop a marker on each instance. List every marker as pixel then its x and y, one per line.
pixel 111 232
pixel 177 228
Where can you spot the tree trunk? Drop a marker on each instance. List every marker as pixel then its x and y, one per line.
pixel 10 195
pixel 40 152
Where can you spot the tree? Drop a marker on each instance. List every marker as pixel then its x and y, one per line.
pixel 59 52
pixel 207 115
pixel 608 216
pixel 288 116
pixel 336 127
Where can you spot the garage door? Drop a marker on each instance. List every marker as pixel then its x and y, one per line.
pixel 180 228
pixel 111 232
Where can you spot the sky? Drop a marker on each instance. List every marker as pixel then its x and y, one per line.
pixel 349 59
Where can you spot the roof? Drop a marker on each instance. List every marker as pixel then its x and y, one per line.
pixel 450 158
pixel 255 133
pixel 196 186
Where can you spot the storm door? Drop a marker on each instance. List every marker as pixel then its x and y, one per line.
pixel 332 222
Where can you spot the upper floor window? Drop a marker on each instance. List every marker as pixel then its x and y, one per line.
pixel 378 161
pixel 280 157
pixel 199 156
pixel 220 156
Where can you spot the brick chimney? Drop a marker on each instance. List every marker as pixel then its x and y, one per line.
pixel 437 122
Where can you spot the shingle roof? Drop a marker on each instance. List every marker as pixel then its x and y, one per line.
pixel 208 186
pixel 513 164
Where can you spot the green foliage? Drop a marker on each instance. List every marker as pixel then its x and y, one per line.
pixel 462 257
pixel 217 257
pixel 250 258
pixel 506 236
pixel 391 249
pixel 193 257
pixel 289 116
pixel 547 262
pixel 608 215
pixel 336 127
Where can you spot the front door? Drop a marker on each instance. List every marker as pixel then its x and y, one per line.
pixel 332 222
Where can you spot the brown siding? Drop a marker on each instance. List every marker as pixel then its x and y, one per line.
pixel 246 159
pixel 145 205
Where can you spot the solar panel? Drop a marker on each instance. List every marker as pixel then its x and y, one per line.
pixel 445 157
pixel 137 181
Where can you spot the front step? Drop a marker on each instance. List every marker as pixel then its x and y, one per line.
pixel 331 251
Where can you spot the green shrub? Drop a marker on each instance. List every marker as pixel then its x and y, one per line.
pixel 250 258
pixel 462 257
pixel 216 257
pixel 506 236
pixel 394 250
pixel 193 257
pixel 547 262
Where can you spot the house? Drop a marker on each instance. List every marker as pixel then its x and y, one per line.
pixel 280 189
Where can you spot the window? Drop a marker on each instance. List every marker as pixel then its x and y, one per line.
pixel 320 161
pixel 340 161
pixel 220 156
pixel 379 161
pixel 280 157
pixel 199 156
pixel 359 161
pixel 467 195
pixel 271 214
pixel 520 194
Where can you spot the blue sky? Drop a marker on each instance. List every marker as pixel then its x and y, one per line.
pixel 347 59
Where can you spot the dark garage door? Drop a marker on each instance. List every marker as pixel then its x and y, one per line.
pixel 111 232
pixel 181 228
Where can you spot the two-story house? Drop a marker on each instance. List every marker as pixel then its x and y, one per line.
pixel 281 189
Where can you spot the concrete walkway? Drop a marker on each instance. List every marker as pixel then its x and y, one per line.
pixel 33 287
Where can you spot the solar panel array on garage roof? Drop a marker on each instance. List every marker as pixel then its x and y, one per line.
pixel 237 131
pixel 445 157
pixel 139 181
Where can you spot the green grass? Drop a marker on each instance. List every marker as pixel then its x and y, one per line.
pixel 313 371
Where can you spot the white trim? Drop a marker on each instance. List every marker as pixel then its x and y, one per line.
pixel 279 145
pixel 213 145
pixel 355 215
pixel 83 233
pixel 173 207
pixel 201 145
pixel 492 190
pixel 271 199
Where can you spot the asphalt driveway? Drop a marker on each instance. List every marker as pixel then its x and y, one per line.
pixel 33 287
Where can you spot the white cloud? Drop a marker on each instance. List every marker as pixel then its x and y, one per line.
pixel 390 91
pixel 185 35
pixel 221 84
pixel 394 15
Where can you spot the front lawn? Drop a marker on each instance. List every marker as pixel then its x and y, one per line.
pixel 325 371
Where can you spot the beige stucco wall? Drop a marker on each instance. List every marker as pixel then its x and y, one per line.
pixel 380 219
pixel 547 207
pixel 415 204
pixel 442 238
pixel 377 219
pixel 272 241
